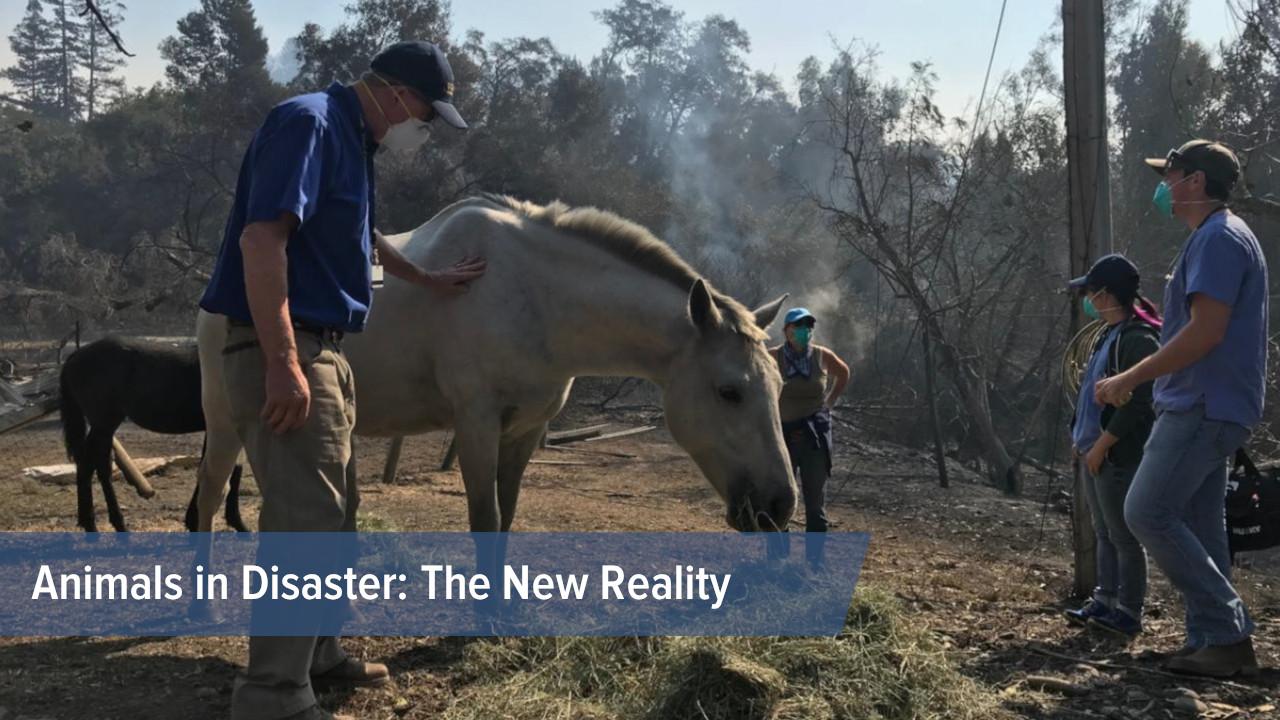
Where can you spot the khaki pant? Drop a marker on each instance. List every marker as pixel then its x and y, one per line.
pixel 307 480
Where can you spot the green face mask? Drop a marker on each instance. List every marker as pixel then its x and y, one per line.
pixel 1163 198
pixel 802 335
pixel 1089 310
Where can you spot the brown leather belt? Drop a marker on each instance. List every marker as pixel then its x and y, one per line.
pixel 332 335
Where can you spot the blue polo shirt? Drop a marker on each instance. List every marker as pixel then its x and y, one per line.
pixel 312 157
pixel 1223 260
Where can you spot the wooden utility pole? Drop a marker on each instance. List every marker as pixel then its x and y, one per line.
pixel 1089 214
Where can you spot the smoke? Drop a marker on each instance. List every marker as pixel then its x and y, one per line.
pixel 283 66
pixel 745 226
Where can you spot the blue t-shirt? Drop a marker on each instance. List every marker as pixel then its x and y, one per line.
pixel 1088 425
pixel 312 157
pixel 1223 260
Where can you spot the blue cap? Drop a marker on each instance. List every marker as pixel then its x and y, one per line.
pixel 1111 273
pixel 795 315
pixel 423 67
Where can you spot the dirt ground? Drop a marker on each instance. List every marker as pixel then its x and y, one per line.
pixel 990 575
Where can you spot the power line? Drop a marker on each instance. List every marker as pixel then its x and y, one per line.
pixel 977 117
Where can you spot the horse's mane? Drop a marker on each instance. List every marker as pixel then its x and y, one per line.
pixel 633 243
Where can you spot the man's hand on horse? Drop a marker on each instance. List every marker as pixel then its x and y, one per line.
pixel 455 279
pixel 288 395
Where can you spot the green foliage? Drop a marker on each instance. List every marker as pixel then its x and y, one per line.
pixel 35 74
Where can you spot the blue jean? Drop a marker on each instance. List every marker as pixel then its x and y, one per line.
pixel 1176 510
pixel 1122 564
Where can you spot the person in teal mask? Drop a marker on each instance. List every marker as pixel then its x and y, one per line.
pixel 813 377
pixel 1110 439
pixel 1210 389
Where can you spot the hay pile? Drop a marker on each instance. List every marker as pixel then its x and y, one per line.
pixel 881 666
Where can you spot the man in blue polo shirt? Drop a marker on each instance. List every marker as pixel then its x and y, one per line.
pixel 296 271
pixel 1210 379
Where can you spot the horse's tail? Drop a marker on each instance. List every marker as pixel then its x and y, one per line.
pixel 72 417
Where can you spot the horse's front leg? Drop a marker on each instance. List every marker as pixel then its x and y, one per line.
pixel 513 458
pixel 222 449
pixel 477 435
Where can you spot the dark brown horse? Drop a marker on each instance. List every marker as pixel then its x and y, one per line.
pixel 112 380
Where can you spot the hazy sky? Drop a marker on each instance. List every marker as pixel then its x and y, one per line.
pixel 955 35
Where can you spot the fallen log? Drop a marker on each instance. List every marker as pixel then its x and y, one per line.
pixel 591 451
pixel 65 473
pixel 623 433
pixel 560 437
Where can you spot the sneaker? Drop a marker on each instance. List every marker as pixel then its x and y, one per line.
pixel 1091 609
pixel 352 673
pixel 1117 622
pixel 1218 661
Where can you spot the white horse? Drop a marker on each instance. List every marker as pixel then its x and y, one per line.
pixel 568 293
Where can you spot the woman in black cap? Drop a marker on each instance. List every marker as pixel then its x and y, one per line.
pixel 1110 439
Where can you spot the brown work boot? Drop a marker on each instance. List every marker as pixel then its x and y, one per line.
pixel 315 712
pixel 1219 661
pixel 352 673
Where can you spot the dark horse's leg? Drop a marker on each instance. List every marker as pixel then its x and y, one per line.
pixel 233 501
pixel 98 445
pixel 192 516
pixel 233 505
pixel 85 466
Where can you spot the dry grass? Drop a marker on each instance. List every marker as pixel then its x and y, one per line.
pixel 881 666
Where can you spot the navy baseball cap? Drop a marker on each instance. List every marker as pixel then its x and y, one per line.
pixel 423 67
pixel 795 315
pixel 1110 272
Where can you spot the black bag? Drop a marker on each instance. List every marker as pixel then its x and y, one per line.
pixel 1253 506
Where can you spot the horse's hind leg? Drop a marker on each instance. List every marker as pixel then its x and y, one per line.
pixel 99 449
pixel 233 501
pixel 513 458
pixel 192 519
pixel 84 489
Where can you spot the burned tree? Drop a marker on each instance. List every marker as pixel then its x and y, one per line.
pixel 948 227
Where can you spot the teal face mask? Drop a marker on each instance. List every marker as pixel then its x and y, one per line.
pixel 1089 310
pixel 1163 198
pixel 802 335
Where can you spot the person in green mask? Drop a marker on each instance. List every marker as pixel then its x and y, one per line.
pixel 813 377
pixel 1109 440
pixel 1211 382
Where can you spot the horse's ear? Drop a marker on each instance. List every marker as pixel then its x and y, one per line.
pixel 702 307
pixel 767 313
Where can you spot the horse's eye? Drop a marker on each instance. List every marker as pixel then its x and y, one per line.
pixel 730 393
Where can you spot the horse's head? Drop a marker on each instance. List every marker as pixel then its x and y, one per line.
pixel 721 405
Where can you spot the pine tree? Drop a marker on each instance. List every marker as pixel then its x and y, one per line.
pixel 34 77
pixel 68 35
pixel 100 58
pixel 217 44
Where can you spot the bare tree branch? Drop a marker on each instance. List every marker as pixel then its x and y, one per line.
pixel 92 7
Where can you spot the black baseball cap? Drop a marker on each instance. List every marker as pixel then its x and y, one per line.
pixel 1110 272
pixel 1215 160
pixel 423 67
